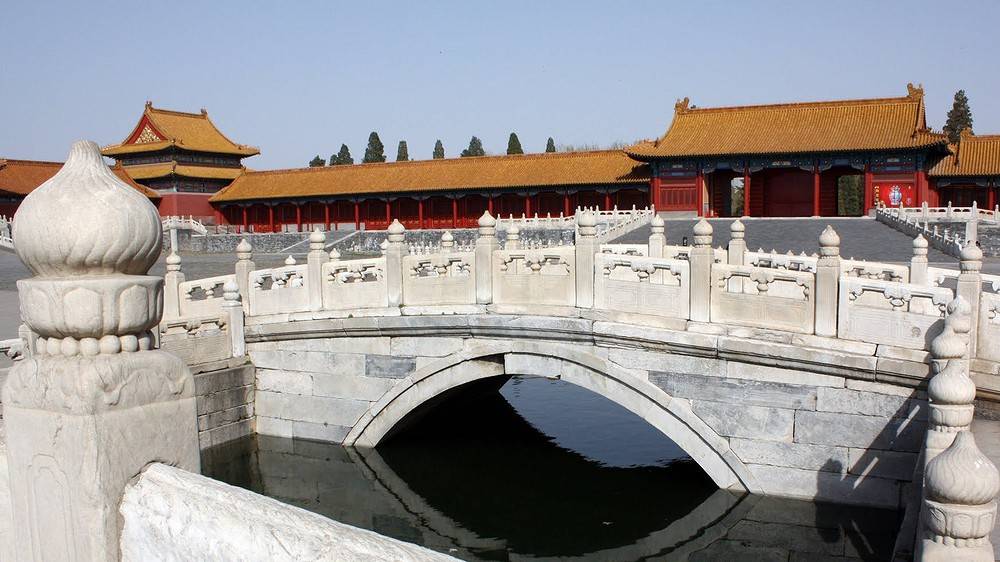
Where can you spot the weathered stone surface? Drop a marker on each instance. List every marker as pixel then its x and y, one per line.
pixel 357 386
pixel 6 524
pixel 427 346
pixel 751 371
pixel 388 367
pixel 884 464
pixel 225 400
pixel 795 455
pixel 220 418
pixel 223 379
pixel 227 433
pixel 314 409
pixel 890 389
pixel 377 345
pixel 850 430
pixel 666 362
pixel 849 401
pixel 828 486
pixel 310 361
pixel 794 538
pixel 289 382
pixel 752 422
pixel 226 523
pixel 736 391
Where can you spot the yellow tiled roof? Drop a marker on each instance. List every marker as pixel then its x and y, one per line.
pixel 830 126
pixel 485 172
pixel 974 155
pixel 189 131
pixel 159 170
pixel 21 177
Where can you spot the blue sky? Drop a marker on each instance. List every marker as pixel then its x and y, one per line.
pixel 300 78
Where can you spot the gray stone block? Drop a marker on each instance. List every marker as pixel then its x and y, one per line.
pixel 666 362
pixel 849 401
pixel 385 366
pixel 358 387
pixel 851 430
pixel 426 346
pixel 795 455
pixel 225 379
pixel 742 391
pixel 288 382
pixel 225 399
pixel 884 464
pixel 313 409
pixel 751 422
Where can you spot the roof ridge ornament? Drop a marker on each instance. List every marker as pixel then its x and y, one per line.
pixel 682 105
pixel 914 92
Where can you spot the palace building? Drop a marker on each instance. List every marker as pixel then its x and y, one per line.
pixel 182 156
pixel 779 160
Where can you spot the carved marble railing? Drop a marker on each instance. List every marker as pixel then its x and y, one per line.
pixel 947 213
pixel 822 294
pixel 921 222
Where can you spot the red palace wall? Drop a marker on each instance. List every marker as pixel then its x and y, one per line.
pixel 194 204
pixel 890 189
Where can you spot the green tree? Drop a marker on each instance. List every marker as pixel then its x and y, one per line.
pixel 317 162
pixel 402 154
pixel 375 152
pixel 343 157
pixel 475 148
pixel 959 118
pixel 438 150
pixel 550 146
pixel 850 193
pixel 514 145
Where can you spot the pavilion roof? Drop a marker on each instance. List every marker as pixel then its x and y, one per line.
pixel 794 128
pixel 159 129
pixel 483 172
pixel 21 177
pixel 163 169
pixel 974 155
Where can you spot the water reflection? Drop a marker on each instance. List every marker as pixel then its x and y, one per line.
pixel 475 477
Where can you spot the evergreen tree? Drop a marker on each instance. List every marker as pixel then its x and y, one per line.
pixel 343 157
pixel 550 146
pixel 475 148
pixel 438 150
pixel 959 118
pixel 514 145
pixel 317 162
pixel 402 154
pixel 375 152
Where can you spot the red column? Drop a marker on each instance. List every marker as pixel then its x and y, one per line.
pixel 566 211
pixel 654 191
pixel 245 223
pixel 920 185
pixel 699 192
pixel 388 213
pixel 527 205
pixel 746 191
pixel 298 217
pixel 991 196
pixel 357 215
pixel 326 216
pixel 489 204
pixel 270 216
pixel 607 200
pixel 454 212
pixel 816 209
pixel 420 213
pixel 869 189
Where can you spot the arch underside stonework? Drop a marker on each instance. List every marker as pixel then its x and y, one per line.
pixel 765 412
pixel 674 418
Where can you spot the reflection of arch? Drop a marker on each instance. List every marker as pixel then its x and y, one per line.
pixel 695 531
pixel 672 417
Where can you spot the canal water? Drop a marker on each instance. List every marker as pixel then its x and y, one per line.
pixel 539 469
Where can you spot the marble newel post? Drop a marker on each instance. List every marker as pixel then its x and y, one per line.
pixel 960 483
pixel 394 251
pixel 315 259
pixel 93 402
pixel 244 265
pixel 486 243
pixel 918 263
pixel 702 257
pixel 736 253
pixel 827 283
pixel 586 248
pixel 657 237
pixel 970 287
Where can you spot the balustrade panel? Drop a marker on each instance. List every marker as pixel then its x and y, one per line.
pixel 279 290
pixel 542 277
pixel 642 285
pixel 439 279
pixel 763 298
pixel 890 313
pixel 355 284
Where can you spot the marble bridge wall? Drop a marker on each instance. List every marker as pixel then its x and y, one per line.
pixel 836 428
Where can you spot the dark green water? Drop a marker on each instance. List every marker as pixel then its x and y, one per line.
pixel 544 470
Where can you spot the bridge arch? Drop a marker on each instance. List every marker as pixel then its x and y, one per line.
pixel 674 418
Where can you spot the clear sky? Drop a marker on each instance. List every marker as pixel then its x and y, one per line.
pixel 298 78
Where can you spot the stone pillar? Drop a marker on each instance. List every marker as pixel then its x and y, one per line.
pixel 233 309
pixel 171 287
pixel 950 392
pixel 657 239
pixel 586 247
pixel 918 263
pixel 314 268
pixel 447 242
pixel 972 227
pixel 736 253
pixel 701 259
pixel 244 265
pixel 486 243
pixel 95 402
pixel 827 283
pixel 970 286
pixel 394 252
pixel 513 240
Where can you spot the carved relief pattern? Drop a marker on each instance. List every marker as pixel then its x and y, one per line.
pixel 146 136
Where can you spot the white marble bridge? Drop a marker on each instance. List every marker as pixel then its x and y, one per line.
pixel 807 376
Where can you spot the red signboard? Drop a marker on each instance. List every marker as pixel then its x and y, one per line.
pixel 895 193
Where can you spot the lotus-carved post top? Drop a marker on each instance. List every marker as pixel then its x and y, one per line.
pixel 173 261
pixel 396 231
pixel 962 474
pixel 703 233
pixel 587 223
pixel 334 255
pixel 657 224
pixel 317 240
pixel 244 251
pixel 513 233
pixel 86 221
pixel 290 260
pixel 920 245
pixel 971 256
pixel 737 230
pixel 829 242
pixel 487 220
pixel 231 292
